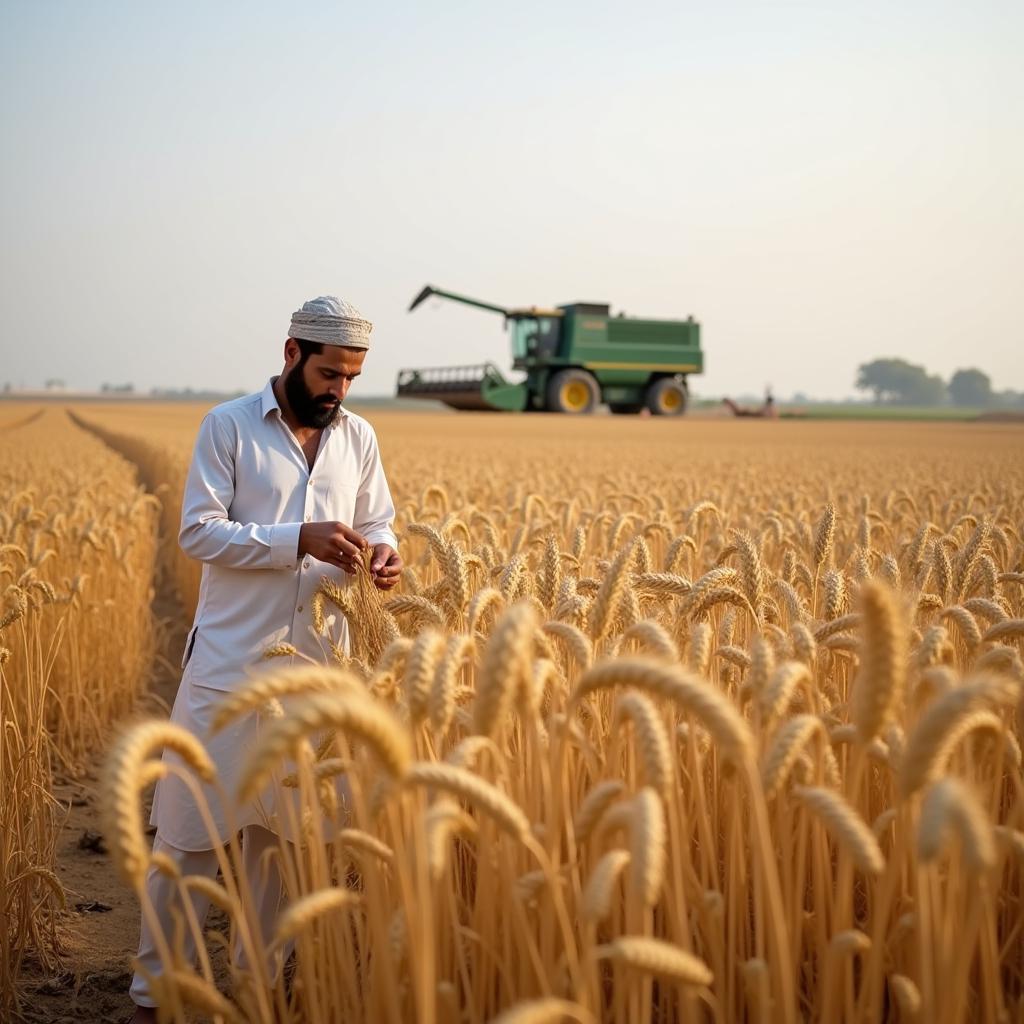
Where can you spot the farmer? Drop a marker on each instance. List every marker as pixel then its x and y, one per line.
pixel 286 486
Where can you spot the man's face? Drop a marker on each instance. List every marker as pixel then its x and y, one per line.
pixel 316 388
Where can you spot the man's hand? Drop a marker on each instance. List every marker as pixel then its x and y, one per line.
pixel 334 543
pixel 385 566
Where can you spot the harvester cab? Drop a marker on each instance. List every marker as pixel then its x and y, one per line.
pixel 574 357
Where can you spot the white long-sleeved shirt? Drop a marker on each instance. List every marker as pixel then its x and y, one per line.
pixel 249 490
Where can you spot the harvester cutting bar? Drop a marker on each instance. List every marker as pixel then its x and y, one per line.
pixel 461 387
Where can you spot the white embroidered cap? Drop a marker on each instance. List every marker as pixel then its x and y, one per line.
pixel 331 321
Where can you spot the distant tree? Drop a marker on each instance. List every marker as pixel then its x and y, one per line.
pixel 929 390
pixel 1009 399
pixel 887 378
pixel 970 387
pixel 900 382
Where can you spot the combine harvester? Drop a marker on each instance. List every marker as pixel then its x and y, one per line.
pixel 575 357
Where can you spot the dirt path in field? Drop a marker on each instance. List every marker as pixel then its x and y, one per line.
pixel 102 924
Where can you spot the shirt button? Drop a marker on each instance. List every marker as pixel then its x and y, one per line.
pixel 308 517
pixel 300 608
pixel 305 564
pixel 309 482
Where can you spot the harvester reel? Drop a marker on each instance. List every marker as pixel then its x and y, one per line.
pixel 666 397
pixel 574 392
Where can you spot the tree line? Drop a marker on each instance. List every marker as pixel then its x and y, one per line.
pixel 897 382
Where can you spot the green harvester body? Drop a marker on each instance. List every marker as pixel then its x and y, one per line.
pixel 574 357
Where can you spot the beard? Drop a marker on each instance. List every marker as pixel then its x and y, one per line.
pixel 316 411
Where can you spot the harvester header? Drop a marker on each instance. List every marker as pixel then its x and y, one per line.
pixel 575 357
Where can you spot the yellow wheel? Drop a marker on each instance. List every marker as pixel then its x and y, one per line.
pixel 667 397
pixel 575 395
pixel 572 391
pixel 671 400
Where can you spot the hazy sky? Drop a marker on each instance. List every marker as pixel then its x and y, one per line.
pixel 818 183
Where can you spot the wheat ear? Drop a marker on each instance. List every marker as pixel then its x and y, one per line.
pixel 648 850
pixel 664 584
pixel 592 807
pixel 458 650
pixel 421 608
pixel 845 825
pixel 122 773
pixel 574 639
pixel 786 748
pixel 482 601
pixel 357 839
pixel 596 902
pixel 301 914
pixel 693 694
pixel 288 682
pixel 444 819
pixel 282 650
pixel 929 744
pixel 1008 629
pixel 776 697
pixel 966 623
pixel 420 666
pixel 824 534
pixel 482 795
pixel 505 666
pixel 653 956
pixel 212 890
pixel 362 716
pixel 878 689
pixel 652 740
pixel 950 805
pixel 751 569
pixel 906 995
pixel 609 594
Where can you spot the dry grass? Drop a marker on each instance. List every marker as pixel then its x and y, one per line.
pixel 682 725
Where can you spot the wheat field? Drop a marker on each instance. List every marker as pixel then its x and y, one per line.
pixel 668 721
pixel 78 543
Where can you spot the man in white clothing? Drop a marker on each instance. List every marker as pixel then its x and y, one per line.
pixel 286 486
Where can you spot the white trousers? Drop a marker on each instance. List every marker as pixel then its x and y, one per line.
pixel 164 894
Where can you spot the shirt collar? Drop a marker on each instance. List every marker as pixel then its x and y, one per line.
pixel 269 402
